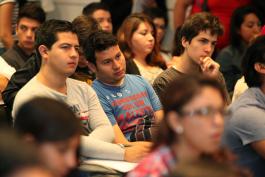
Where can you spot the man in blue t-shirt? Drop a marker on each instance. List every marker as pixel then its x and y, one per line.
pixel 129 101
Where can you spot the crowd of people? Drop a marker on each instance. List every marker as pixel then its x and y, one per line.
pixel 72 91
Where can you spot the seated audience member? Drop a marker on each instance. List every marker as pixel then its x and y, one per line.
pixel 137 39
pixel 244 27
pixel 191 129
pixel 52 127
pixel 58 47
pixel 130 103
pixel 101 13
pixel 197 40
pixel 84 26
pixel 160 21
pixel 244 130
pixel 18 158
pixel 29 19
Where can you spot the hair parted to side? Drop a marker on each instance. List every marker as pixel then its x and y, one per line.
pixel 254 54
pixel 96 42
pixel 47 120
pixel 125 33
pixel 197 23
pixel 179 93
pixel 32 11
pixel 48 31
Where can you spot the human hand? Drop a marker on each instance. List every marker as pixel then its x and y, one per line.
pixel 209 67
pixel 136 151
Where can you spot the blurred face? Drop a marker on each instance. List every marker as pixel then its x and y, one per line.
pixel 25 31
pixel 143 41
pixel 60 157
pixel 200 46
pixel 250 27
pixel 160 28
pixel 63 56
pixel 31 172
pixel 203 121
pixel 110 66
pixel 104 19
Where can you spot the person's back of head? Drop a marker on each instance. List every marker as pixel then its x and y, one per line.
pixel 97 42
pixel 197 23
pixel 32 11
pixel 47 120
pixel 85 25
pixel 156 12
pixel 253 63
pixel 89 9
pixel 47 34
pixel 17 156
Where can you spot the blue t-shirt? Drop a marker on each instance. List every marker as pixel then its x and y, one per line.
pixel 131 105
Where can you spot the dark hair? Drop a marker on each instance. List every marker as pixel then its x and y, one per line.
pixel 97 42
pixel 180 92
pixel 47 120
pixel 84 26
pixel 15 153
pixel 32 11
pixel 156 12
pixel 254 54
pixel 198 22
pixel 236 21
pixel 89 9
pixel 125 33
pixel 48 31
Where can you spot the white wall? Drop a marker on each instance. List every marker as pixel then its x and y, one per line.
pixel 68 9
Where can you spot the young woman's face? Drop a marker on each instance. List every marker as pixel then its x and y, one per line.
pixel 143 40
pixel 250 27
pixel 60 156
pixel 203 121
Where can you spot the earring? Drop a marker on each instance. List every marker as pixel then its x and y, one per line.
pixel 179 130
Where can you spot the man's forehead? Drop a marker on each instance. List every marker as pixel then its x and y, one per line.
pixel 207 35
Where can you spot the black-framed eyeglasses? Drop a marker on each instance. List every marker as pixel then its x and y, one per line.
pixel 207 111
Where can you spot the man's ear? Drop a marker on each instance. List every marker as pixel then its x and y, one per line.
pixel 43 50
pixel 184 42
pixel 260 67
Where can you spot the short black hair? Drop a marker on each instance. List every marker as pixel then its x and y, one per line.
pixel 156 12
pixel 89 9
pixel 254 54
pixel 97 42
pixel 32 11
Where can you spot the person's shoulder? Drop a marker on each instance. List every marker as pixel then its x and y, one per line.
pixel 7 1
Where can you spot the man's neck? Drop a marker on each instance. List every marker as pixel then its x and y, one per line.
pixel 186 65
pixel 26 51
pixel 262 88
pixel 52 80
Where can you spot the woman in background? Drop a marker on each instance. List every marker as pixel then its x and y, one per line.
pixel 194 110
pixel 137 40
pixel 245 26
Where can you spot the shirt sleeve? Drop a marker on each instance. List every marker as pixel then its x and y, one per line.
pixel 6 69
pixel 155 102
pixel 249 124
